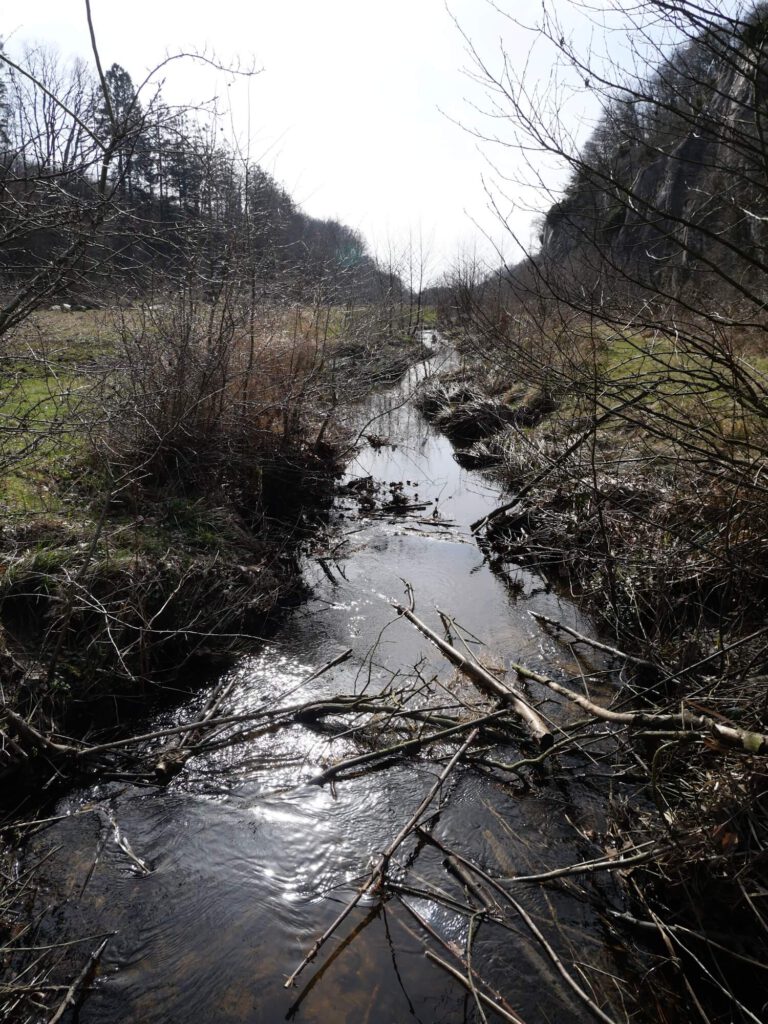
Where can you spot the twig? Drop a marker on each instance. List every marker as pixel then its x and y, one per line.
pixel 606 648
pixel 376 877
pixel 532 926
pixel 463 980
pixel 80 980
pixel 401 748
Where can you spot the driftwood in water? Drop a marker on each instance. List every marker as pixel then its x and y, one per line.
pixel 596 644
pixel 485 681
pixel 376 876
pixel 405 747
pixel 740 739
pixel 79 983
pixel 175 755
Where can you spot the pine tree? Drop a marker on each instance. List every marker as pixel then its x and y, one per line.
pixel 122 119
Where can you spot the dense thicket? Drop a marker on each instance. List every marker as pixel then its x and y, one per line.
pixel 178 344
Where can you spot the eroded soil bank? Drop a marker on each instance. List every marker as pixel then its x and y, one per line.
pixel 140 556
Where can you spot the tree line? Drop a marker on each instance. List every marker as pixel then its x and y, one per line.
pixel 108 190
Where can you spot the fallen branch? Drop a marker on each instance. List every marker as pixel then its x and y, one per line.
pixel 376 876
pixel 740 739
pixel 469 979
pixel 531 925
pixel 189 732
pixel 122 842
pixel 78 983
pixel 635 922
pixel 464 980
pixel 405 747
pixel 484 680
pixel 322 562
pixel 35 738
pixel 174 756
pixel 342 704
pixel 596 644
pixel 587 867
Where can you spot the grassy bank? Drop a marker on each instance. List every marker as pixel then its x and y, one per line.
pixel 637 467
pixel 162 469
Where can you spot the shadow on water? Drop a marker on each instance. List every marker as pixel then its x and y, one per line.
pixel 249 862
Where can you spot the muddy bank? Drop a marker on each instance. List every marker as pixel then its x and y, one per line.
pixel 149 596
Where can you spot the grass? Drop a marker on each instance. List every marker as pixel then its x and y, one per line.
pixel 41 417
pixel 155 470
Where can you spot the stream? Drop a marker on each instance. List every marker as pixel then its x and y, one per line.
pixel 249 861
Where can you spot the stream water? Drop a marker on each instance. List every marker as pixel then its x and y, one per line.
pixel 249 861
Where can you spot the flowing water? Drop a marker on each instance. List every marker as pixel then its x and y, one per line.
pixel 249 861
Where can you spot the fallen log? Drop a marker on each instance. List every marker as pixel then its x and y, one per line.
pixel 485 681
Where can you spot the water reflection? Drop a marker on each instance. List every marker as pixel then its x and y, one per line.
pixel 250 862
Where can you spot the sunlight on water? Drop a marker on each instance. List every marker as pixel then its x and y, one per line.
pixel 250 862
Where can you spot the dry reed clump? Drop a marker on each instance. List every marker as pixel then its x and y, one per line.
pixel 468 414
pixel 705 889
pixel 205 401
pixel 666 555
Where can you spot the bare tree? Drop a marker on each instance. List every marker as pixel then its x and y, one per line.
pixel 641 313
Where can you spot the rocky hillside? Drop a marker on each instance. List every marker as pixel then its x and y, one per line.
pixel 670 194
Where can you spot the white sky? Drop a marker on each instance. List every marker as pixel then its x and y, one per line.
pixel 346 112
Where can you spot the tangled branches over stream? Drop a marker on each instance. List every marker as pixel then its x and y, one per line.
pixel 528 733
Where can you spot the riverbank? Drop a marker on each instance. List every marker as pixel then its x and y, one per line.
pixel 167 474
pixel 219 844
pixel 666 556
pixel 243 856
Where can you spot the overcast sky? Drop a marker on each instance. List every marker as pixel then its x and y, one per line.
pixel 354 107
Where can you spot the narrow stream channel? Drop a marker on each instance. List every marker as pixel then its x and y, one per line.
pixel 250 862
